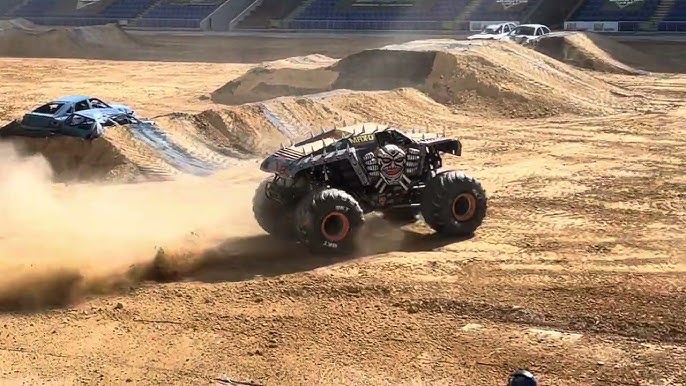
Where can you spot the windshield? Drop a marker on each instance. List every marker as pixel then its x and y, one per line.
pixel 98 104
pixel 524 31
pixel 49 108
pixel 491 30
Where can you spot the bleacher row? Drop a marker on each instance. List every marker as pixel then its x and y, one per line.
pixel 340 14
pixel 147 13
pixel 424 15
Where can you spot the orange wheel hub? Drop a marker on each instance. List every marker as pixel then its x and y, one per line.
pixel 464 207
pixel 335 226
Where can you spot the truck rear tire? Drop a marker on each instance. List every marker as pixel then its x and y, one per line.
pixel 454 204
pixel 328 221
pixel 274 217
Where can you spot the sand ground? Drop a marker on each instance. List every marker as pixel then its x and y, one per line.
pixel 577 273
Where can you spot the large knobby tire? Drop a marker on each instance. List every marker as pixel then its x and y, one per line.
pixel 454 204
pixel 274 217
pixel 327 221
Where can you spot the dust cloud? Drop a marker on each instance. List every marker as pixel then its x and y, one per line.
pixel 61 242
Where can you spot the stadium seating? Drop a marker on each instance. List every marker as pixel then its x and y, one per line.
pixel 8 5
pixel 178 13
pixel 675 20
pixel 150 13
pixel 269 10
pixel 605 10
pixel 491 10
pixel 49 8
pixel 126 9
pixel 59 12
pixel 328 14
pixel 678 12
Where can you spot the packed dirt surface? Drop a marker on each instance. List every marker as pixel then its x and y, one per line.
pixel 577 273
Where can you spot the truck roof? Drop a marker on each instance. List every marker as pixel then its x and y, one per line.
pixel 359 130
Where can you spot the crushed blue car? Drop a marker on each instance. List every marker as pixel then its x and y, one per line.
pixel 76 116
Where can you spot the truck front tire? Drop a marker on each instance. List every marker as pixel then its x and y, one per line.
pixel 454 204
pixel 328 221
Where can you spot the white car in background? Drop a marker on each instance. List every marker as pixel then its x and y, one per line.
pixel 493 31
pixel 527 33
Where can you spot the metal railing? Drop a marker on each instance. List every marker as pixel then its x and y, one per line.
pixel 220 19
pixel 165 23
pixel 91 21
pixel 671 26
pixel 67 21
pixel 393 25
pixel 626 26
pixel 240 16
pixel 630 26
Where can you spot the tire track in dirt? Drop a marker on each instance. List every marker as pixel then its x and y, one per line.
pixel 170 152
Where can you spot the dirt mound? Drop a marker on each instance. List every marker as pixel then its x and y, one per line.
pixel 19 23
pixel 507 79
pixel 279 78
pixel 595 52
pixel 25 39
pixel 127 153
pixel 72 158
pixel 259 128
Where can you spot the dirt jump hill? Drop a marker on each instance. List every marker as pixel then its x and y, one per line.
pixel 502 78
pixel 127 153
pixel 21 38
pixel 599 53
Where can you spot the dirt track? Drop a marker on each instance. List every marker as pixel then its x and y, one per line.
pixel 577 274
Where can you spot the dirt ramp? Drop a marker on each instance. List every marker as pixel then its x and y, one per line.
pixel 24 39
pixel 290 76
pixel 19 23
pixel 384 69
pixel 73 158
pixel 110 35
pixel 259 128
pixel 595 52
pixel 505 79
pixel 129 153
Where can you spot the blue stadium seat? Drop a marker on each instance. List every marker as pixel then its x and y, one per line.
pixel 126 9
pixel 165 14
pixel 8 5
pixel 179 14
pixel 491 10
pixel 604 10
pixel 678 12
pixel 326 14
pixel 675 21
pixel 55 12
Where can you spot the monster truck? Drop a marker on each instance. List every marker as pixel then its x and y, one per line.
pixel 321 188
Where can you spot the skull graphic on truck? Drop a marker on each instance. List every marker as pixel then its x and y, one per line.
pixel 391 165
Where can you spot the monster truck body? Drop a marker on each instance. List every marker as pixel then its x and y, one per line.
pixel 368 168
